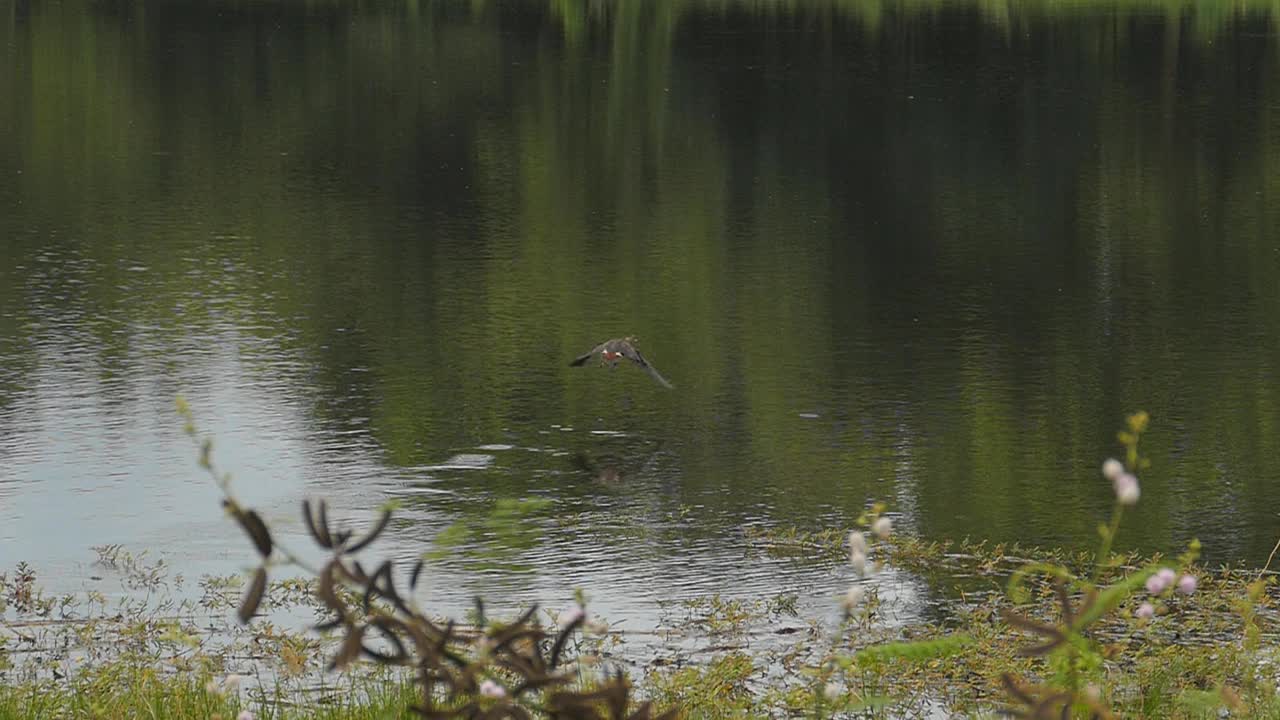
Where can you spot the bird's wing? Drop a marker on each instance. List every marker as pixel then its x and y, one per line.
pixel 634 356
pixel 582 359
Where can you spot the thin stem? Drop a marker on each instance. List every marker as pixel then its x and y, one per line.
pixel 1263 571
pixel 1107 538
pixel 225 487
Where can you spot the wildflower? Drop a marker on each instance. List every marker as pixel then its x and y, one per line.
pixel 231 683
pixel 1166 575
pixel 213 687
pixel 1112 469
pixel 882 527
pixel 859 563
pixel 571 615
pixel 832 691
pixel 1146 611
pixel 853 598
pixel 1187 584
pixel 857 543
pixel 489 688
pixel 1156 584
pixel 244 715
pixel 1126 487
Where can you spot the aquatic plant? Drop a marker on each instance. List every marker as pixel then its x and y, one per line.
pixel 1074 657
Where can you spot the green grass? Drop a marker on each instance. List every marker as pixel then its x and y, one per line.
pixel 124 692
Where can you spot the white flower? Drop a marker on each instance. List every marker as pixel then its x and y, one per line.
pixel 832 691
pixel 489 688
pixel 231 683
pixel 853 598
pixel 213 687
pixel 1112 469
pixel 571 615
pixel 1126 487
pixel 857 542
pixel 859 562
pixel 882 527
pixel 244 715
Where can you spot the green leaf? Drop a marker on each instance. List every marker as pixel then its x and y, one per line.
pixel 914 651
pixel 1111 598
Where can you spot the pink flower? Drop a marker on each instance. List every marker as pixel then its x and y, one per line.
pixel 1187 584
pixel 571 615
pixel 1156 584
pixel 489 688
pixel 1166 575
pixel 244 715
pixel 1146 611
pixel 1127 490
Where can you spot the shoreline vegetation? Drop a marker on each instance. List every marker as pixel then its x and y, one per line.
pixel 82 656
pixel 1022 631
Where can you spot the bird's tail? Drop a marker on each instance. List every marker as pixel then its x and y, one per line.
pixel 653 373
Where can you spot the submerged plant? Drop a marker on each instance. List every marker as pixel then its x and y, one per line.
pixel 504 670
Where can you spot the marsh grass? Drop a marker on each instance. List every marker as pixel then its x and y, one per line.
pixel 126 691
pixel 1175 666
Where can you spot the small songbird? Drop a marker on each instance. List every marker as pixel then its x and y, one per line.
pixel 611 351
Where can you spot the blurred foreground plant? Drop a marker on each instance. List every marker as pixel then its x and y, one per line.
pixel 1073 655
pixel 506 670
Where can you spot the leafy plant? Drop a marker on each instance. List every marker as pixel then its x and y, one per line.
pixel 1074 657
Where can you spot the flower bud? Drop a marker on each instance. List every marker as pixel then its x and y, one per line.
pixel 859 563
pixel 853 598
pixel 1126 487
pixel 857 542
pixel 882 527
pixel 1112 469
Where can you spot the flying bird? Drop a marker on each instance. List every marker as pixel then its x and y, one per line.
pixel 611 351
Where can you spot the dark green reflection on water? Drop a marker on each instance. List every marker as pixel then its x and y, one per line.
pixel 967 239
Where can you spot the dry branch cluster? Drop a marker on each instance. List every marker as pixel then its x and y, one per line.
pixel 507 670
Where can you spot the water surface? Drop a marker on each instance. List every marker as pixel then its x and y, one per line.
pixel 924 253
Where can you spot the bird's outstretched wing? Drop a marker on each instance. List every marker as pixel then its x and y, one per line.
pixel 632 354
pixel 582 359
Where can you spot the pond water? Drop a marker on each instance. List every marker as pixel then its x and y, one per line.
pixel 924 253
